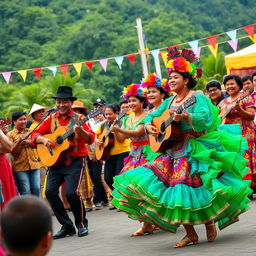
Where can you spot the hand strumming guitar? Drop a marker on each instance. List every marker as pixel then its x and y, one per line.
pixel 152 130
pixel 48 143
pixel 98 142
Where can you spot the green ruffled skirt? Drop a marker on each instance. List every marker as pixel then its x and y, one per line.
pixel 206 184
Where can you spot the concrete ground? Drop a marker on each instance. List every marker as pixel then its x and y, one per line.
pixel 109 235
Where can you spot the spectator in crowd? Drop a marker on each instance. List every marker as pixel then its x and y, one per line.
pixel 6 177
pixel 24 162
pixel 26 227
pixel 248 87
pixel 214 91
pixel 124 107
pixel 37 113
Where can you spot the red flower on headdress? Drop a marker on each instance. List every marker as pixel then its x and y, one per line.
pixel 181 64
pixel 150 79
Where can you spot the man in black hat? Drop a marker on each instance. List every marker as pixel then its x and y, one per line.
pixel 70 169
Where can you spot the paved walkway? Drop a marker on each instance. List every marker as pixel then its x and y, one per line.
pixel 110 230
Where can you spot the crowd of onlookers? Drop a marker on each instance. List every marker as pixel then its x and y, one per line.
pixel 23 173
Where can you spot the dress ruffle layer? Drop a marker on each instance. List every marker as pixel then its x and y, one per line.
pixel 216 157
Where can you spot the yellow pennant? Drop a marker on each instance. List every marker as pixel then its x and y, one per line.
pixel 23 74
pixel 213 50
pixel 254 38
pixel 164 57
pixel 78 67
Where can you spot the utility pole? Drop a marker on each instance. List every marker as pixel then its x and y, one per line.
pixel 142 47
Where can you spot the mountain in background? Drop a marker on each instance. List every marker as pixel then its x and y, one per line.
pixel 41 33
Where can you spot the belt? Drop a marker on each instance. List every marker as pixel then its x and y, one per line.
pixel 70 158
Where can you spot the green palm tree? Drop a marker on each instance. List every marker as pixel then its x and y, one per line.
pixel 213 69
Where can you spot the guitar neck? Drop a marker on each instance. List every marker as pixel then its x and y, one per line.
pixel 71 131
pixel 170 119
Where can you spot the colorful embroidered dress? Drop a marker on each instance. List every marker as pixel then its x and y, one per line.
pixel 248 132
pixel 197 181
pixel 141 152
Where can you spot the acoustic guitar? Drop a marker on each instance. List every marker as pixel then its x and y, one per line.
pixel 103 152
pixel 224 113
pixel 49 156
pixel 168 130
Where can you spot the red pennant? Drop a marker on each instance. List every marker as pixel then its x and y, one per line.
pixel 249 29
pixel 212 40
pixel 37 72
pixel 131 58
pixel 64 69
pixel 89 64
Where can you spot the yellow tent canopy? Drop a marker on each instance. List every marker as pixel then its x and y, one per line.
pixel 241 62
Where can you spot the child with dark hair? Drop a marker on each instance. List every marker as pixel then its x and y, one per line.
pixel 26 227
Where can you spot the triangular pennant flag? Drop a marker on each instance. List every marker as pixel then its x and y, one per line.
pixel 155 53
pixel 198 52
pixel 194 45
pixel 64 69
pixel 212 40
pixel 104 63
pixel 131 58
pixel 233 44
pixel 164 57
pixel 253 38
pixel 37 72
pixel 232 35
pixel 119 61
pixel 23 74
pixel 7 76
pixel 78 67
pixel 89 64
pixel 250 30
pixel 213 50
pixel 53 69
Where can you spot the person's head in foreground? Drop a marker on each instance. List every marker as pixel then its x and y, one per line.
pixel 26 227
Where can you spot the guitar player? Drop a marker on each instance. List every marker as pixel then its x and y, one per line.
pixel 70 169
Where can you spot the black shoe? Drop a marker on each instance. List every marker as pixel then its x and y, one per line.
pixel 112 207
pixel 82 231
pixel 98 206
pixel 65 231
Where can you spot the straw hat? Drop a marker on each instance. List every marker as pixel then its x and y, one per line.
pixel 79 104
pixel 35 108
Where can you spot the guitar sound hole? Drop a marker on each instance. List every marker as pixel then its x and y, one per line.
pixel 160 137
pixel 59 140
pixel 162 128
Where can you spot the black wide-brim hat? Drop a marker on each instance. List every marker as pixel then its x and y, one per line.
pixel 64 92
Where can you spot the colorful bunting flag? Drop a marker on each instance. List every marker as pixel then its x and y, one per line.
pixel 213 50
pixel 250 30
pixel 23 74
pixel 89 64
pixel 194 45
pixel 232 35
pixel 155 53
pixel 119 61
pixel 198 52
pixel 104 63
pixel 233 44
pixel 64 69
pixel 131 58
pixel 7 76
pixel 164 57
pixel 37 72
pixel 253 38
pixel 212 40
pixel 78 67
pixel 53 69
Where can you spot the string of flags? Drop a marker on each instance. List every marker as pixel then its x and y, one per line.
pixel 211 40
